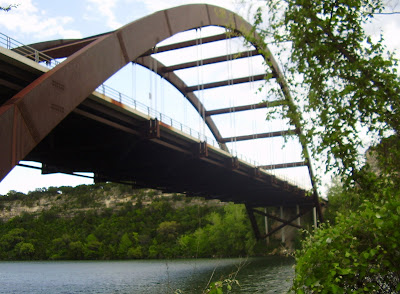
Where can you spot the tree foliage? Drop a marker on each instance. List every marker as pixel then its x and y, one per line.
pixel 359 254
pixel 164 227
pixel 347 86
pixel 344 80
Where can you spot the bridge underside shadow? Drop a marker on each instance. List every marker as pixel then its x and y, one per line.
pixel 118 146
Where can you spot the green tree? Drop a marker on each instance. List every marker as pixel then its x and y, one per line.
pixel 25 250
pixel 348 86
pixel 343 79
pixel 12 238
pixel 360 254
pixel 136 251
pixel 227 234
pixel 60 248
pixel 92 249
pixel 168 229
pixel 76 250
pixel 124 245
pixel 342 200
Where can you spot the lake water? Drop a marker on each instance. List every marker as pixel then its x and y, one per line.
pixel 256 275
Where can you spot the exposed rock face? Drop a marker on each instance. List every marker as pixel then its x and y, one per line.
pixel 69 204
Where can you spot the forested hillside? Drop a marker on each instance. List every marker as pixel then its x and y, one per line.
pixel 111 221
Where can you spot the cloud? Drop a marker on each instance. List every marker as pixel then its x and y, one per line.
pixel 390 28
pixel 103 9
pixel 29 20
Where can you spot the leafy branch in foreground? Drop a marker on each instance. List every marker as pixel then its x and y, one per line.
pixel 348 88
pixel 360 254
pixel 344 80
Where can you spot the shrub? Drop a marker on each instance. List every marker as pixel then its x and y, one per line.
pixel 360 254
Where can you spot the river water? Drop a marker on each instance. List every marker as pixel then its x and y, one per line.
pixel 255 275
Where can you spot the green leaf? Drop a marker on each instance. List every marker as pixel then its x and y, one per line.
pixel 345 271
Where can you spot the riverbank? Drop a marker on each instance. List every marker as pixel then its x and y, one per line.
pixel 111 221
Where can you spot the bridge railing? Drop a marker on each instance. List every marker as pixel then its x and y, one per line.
pixel 129 101
pixel 48 61
pixel 27 51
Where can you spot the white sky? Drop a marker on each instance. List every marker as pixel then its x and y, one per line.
pixel 35 21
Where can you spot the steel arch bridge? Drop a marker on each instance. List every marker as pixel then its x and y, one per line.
pixel 43 109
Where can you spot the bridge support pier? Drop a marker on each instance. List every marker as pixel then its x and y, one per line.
pixel 253 221
pixel 290 222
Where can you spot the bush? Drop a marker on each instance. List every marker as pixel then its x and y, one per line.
pixel 360 254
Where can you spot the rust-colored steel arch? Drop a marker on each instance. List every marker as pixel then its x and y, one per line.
pixel 32 113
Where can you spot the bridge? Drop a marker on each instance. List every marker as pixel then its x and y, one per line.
pixel 55 109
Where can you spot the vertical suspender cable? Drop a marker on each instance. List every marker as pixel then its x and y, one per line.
pixel 134 65
pixel 200 84
pixel 162 94
pixel 151 86
pixel 198 75
pixel 185 122
pixel 203 111
pixel 231 98
pixel 253 101
pixel 155 68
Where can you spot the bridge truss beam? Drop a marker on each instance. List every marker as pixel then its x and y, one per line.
pixel 266 104
pixel 226 83
pixel 258 136
pixel 212 60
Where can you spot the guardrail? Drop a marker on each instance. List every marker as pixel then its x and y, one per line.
pixel 48 61
pixel 129 101
pixel 27 51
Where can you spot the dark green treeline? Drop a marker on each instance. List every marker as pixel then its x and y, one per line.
pixel 150 225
